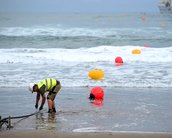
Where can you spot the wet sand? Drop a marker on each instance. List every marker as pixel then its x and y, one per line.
pixel 45 134
pixel 124 112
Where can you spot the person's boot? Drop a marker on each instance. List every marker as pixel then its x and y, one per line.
pixel 54 110
pixel 50 110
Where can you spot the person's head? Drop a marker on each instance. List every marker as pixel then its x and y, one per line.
pixel 33 87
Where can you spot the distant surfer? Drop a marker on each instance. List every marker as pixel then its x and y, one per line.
pixel 50 85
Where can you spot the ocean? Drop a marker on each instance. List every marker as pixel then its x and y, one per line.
pixel 66 46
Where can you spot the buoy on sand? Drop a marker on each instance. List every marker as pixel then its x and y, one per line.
pixel 97 92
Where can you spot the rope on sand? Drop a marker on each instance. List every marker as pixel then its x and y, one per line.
pixel 7 120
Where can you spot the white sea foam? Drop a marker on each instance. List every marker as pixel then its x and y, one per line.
pixel 151 68
pixel 95 54
pixel 87 129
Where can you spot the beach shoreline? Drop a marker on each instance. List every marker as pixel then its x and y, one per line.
pixel 124 110
pixel 50 133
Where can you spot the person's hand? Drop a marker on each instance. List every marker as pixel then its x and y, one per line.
pixel 40 108
pixel 36 106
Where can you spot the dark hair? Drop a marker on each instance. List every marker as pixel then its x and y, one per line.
pixel 92 97
pixel 34 86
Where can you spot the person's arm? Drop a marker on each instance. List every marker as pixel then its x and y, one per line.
pixel 43 102
pixel 37 100
pixel 42 91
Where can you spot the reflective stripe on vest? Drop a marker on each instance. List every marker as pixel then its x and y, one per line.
pixel 49 84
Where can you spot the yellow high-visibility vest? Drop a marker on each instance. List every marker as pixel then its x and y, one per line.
pixel 49 84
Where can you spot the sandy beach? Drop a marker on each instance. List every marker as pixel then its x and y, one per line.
pixel 145 110
pixel 45 134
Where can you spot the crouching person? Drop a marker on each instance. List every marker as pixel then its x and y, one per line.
pixel 50 85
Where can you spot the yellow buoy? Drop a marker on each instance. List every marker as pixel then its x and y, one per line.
pixel 136 51
pixel 96 74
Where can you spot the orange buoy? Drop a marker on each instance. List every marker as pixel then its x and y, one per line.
pixel 136 51
pixel 96 74
pixel 97 92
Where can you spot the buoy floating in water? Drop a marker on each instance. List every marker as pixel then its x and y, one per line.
pixel 97 93
pixel 96 74
pixel 146 45
pixel 118 61
pixel 136 51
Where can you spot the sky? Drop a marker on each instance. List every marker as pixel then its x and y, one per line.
pixel 79 5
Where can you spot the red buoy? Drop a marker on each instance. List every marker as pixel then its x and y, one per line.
pixel 98 92
pixel 146 45
pixel 118 60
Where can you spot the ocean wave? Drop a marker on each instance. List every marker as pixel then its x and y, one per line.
pixel 151 68
pixel 94 54
pixel 155 32
pixel 73 37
